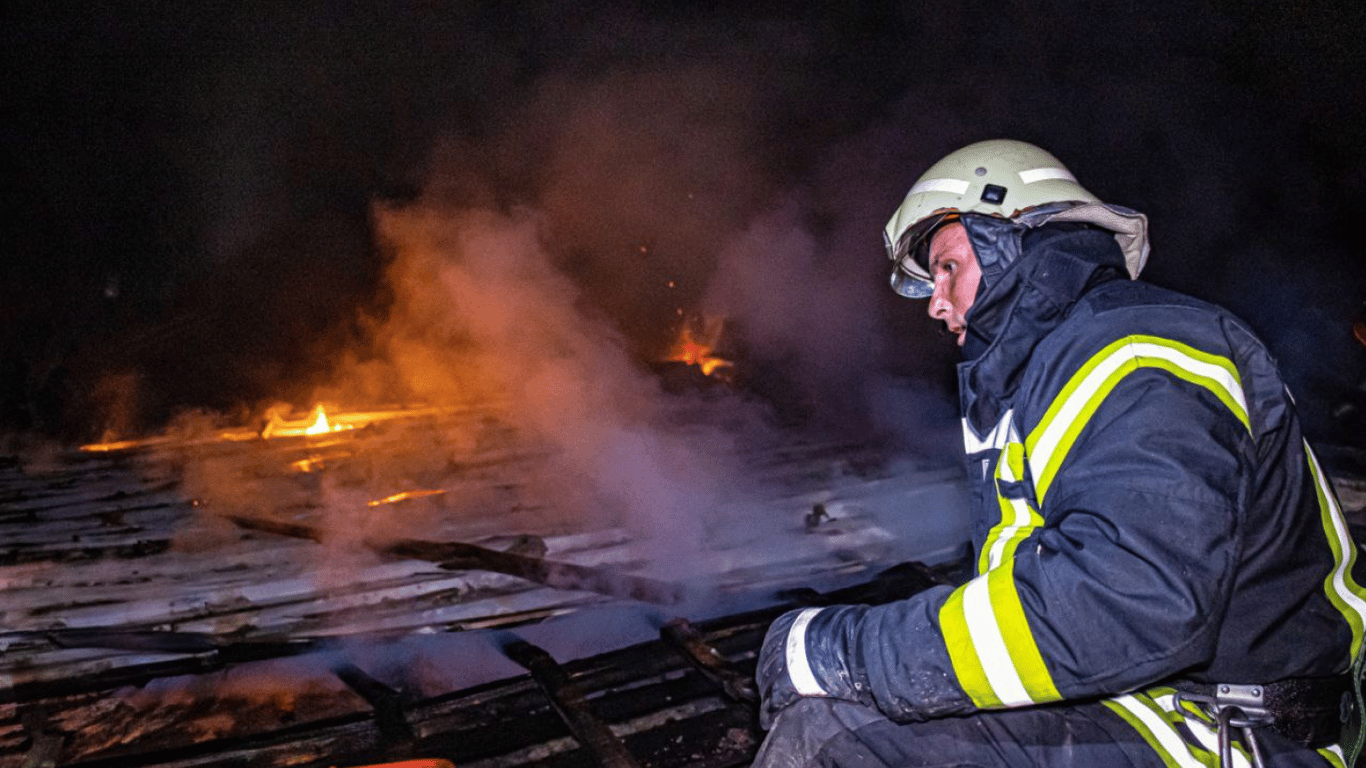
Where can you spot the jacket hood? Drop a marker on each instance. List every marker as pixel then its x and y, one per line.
pixel 1032 277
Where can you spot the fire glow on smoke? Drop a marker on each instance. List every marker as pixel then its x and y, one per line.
pixel 696 344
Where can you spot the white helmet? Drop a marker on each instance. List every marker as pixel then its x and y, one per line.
pixel 1004 178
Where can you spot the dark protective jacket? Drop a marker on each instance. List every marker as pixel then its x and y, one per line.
pixel 1145 509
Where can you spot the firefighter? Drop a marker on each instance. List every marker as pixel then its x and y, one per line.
pixel 1163 574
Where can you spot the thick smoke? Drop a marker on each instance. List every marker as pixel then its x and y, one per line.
pixel 548 265
pixel 193 219
pixel 480 314
pixel 542 266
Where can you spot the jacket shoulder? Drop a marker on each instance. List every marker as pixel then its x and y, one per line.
pixel 1133 308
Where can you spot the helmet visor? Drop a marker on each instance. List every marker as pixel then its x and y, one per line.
pixel 911 274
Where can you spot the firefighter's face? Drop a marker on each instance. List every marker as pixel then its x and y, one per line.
pixel 956 274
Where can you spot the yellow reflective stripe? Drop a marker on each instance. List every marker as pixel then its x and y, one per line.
pixel 1078 400
pixel 967 666
pixel 992 650
pixel 1014 625
pixel 1018 520
pixel 1342 589
pixel 987 673
pixel 1156 717
pixel 1151 723
pixel 1208 737
pixel 1334 756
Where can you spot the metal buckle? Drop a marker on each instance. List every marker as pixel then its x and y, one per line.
pixel 1234 706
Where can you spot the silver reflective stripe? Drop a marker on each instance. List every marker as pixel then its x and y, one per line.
pixel 1169 743
pixel 1021 516
pixel 1058 429
pixel 996 438
pixel 798 667
pixel 1343 585
pixel 951 186
pixel 1046 174
pixel 990 645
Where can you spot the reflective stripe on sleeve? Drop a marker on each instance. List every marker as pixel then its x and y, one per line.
pixel 798 666
pixel 1342 590
pixel 1049 443
pixel 990 645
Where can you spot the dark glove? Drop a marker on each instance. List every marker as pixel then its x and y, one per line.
pixel 810 652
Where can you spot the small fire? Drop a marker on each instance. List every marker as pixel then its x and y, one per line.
pixel 695 343
pixel 317 424
pixel 404 495
pixel 307 465
pixel 112 445
pixel 276 424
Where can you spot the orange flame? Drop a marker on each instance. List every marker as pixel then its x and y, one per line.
pixel 695 343
pixel 403 495
pixel 318 422
pixel 319 425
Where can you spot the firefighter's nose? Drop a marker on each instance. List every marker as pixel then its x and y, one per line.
pixel 939 308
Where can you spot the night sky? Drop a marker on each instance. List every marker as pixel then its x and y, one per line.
pixel 192 188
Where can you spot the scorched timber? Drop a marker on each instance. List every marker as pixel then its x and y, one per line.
pixel 463 556
pixel 648 704
pixel 120 544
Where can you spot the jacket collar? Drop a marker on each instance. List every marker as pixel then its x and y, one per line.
pixel 1057 265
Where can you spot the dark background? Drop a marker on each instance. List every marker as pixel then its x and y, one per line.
pixel 189 186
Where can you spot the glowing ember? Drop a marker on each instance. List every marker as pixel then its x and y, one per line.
pixel 307 465
pixel 318 422
pixel 116 445
pixel 695 344
pixel 319 425
pixel 397 497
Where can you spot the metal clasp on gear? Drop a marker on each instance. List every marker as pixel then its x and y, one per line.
pixel 1233 706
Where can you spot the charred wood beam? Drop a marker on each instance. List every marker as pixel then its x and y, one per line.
pixel 683 637
pixel 202 654
pixel 665 712
pixel 571 705
pixel 45 742
pixel 226 651
pixel 66 552
pixel 458 556
pixel 388 704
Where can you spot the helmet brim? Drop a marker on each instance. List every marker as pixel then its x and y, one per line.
pixel 911 274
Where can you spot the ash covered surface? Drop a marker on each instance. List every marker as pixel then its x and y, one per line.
pixel 139 619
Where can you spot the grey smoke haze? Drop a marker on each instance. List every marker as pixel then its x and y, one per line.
pixel 193 186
